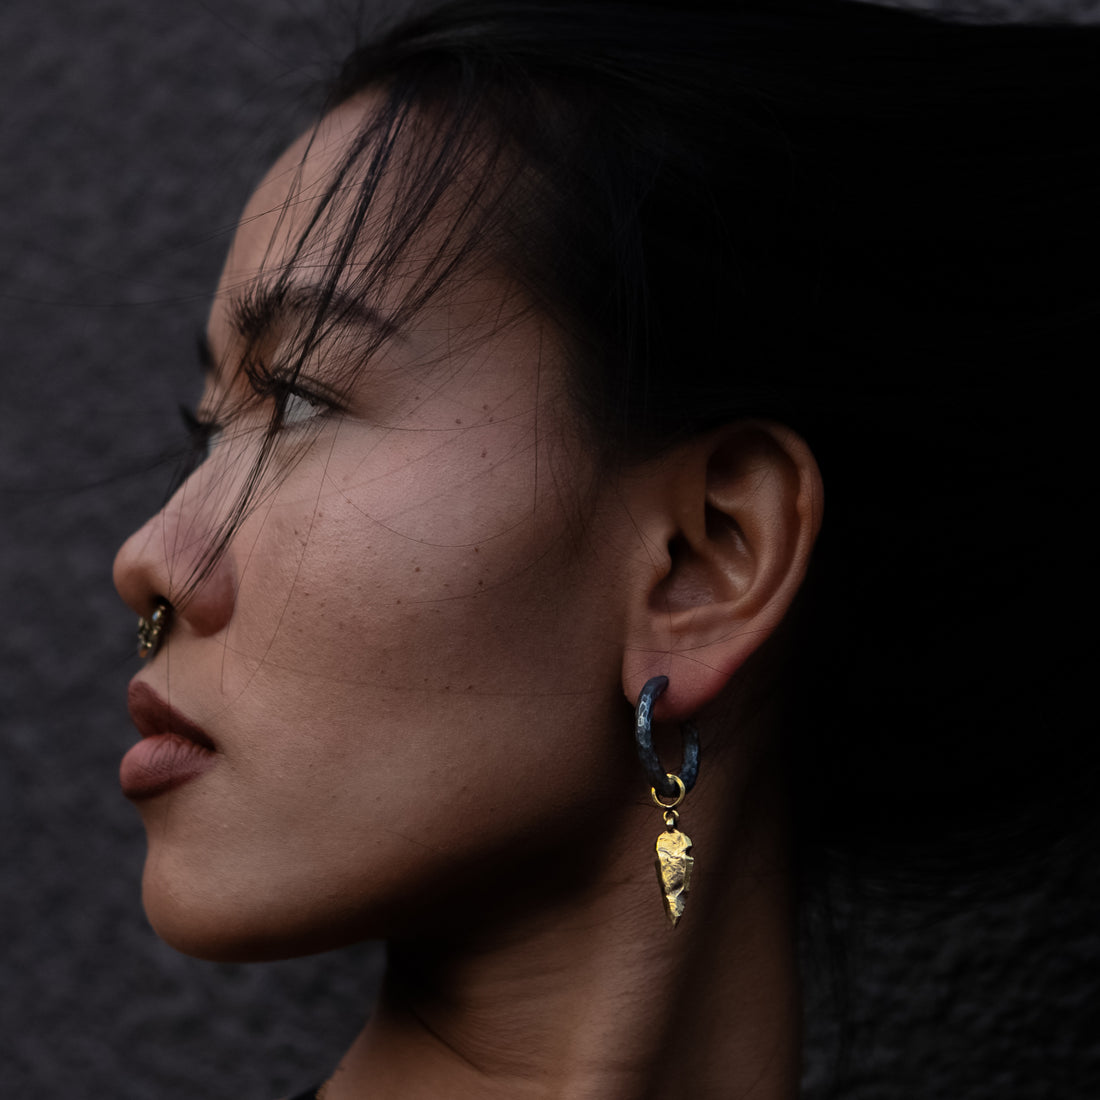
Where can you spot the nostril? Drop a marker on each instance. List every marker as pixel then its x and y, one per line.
pixel 209 605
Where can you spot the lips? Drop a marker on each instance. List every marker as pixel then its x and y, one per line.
pixel 172 749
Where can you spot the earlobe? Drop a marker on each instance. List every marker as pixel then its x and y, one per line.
pixel 738 512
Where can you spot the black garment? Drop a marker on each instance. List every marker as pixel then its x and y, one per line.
pixel 309 1094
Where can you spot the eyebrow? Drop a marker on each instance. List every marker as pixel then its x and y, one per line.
pixel 258 310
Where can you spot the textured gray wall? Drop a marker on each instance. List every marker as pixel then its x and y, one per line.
pixel 131 132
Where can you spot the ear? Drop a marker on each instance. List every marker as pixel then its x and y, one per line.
pixel 729 520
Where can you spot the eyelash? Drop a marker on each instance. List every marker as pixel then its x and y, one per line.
pixel 269 386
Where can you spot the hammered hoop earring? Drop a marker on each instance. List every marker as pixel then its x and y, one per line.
pixel 151 630
pixel 674 860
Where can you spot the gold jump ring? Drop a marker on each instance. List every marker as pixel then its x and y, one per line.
pixel 679 797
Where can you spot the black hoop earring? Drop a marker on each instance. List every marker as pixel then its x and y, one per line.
pixel 674 861
pixel 661 780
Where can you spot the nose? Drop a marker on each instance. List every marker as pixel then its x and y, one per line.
pixel 170 557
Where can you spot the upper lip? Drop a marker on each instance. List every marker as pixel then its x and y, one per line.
pixel 153 716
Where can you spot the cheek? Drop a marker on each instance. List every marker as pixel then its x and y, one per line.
pixel 448 488
pixel 424 545
pixel 395 631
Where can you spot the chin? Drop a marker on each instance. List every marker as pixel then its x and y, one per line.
pixel 224 926
pixel 215 935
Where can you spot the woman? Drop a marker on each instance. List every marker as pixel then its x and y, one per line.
pixel 522 375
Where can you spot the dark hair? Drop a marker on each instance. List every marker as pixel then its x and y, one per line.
pixel 874 227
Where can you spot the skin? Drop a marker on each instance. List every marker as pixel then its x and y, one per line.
pixel 418 659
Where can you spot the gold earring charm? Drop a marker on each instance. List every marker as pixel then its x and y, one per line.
pixel 674 859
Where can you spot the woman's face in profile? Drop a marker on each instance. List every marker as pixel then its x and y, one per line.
pixel 408 656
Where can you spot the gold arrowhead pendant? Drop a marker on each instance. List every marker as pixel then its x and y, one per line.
pixel 674 868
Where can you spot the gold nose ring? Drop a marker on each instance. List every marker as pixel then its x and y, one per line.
pixel 151 630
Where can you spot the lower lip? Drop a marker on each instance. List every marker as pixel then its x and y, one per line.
pixel 157 764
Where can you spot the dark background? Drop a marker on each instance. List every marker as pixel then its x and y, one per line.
pixel 131 133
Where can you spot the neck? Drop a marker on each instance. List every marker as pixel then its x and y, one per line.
pixel 596 996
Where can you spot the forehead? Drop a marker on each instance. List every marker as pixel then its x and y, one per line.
pixel 280 209
pixel 413 232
